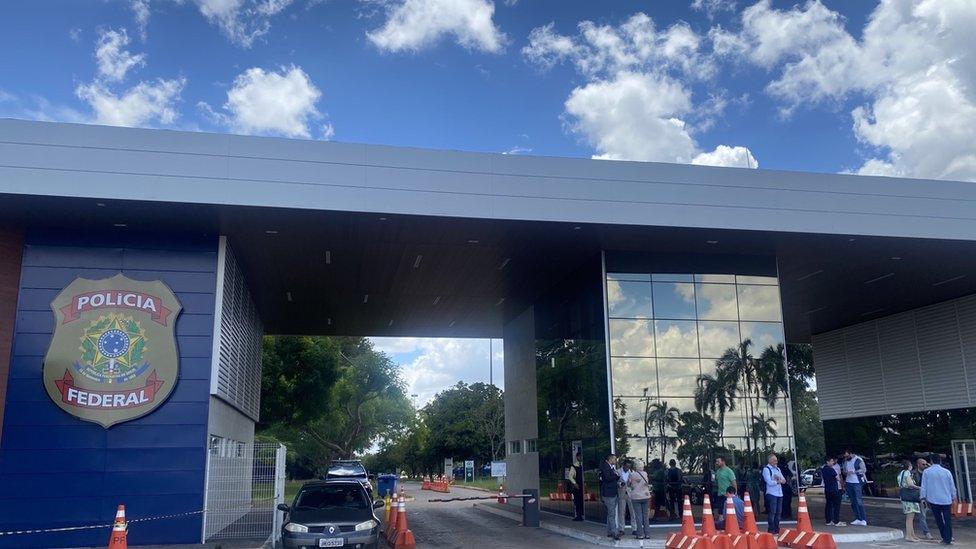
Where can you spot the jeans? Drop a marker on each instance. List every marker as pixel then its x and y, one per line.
pixel 613 528
pixel 857 500
pixel 719 505
pixel 923 523
pixel 832 508
pixel 639 518
pixel 943 518
pixel 774 506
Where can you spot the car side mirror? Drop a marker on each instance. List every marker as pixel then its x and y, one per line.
pixel 284 507
pixel 377 504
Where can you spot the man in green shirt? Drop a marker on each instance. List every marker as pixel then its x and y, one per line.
pixel 724 478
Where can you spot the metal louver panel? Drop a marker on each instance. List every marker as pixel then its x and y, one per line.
pixel 830 362
pixel 239 354
pixel 918 360
pixel 865 375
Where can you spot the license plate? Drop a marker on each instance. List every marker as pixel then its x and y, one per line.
pixel 331 542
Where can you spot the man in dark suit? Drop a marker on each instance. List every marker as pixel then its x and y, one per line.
pixel 609 482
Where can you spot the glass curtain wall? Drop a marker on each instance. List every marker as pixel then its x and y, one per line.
pixel 698 367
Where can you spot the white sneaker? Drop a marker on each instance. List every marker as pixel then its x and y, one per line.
pixel 859 523
pixel 840 524
pixel 831 524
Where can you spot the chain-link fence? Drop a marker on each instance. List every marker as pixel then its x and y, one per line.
pixel 245 482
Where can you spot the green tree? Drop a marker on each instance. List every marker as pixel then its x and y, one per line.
pixel 663 420
pixel 466 421
pixel 699 436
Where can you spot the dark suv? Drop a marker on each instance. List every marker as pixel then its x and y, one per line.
pixel 349 469
pixel 331 513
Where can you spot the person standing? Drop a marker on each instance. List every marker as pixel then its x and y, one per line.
pixel 576 487
pixel 831 483
pixel 923 508
pixel 724 478
pixel 908 492
pixel 938 489
pixel 675 480
pixel 609 481
pixel 854 471
pixel 774 492
pixel 639 491
pixel 623 498
pixel 754 481
pixel 658 484
pixel 788 492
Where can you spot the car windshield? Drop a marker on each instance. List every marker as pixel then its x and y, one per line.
pixel 347 470
pixel 347 496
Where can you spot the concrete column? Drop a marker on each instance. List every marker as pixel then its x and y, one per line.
pixel 521 401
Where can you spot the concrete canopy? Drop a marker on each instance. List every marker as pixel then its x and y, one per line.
pixel 371 240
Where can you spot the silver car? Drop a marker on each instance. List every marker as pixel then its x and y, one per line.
pixel 331 513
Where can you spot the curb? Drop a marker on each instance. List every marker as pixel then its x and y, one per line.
pixel 889 534
pixel 574 533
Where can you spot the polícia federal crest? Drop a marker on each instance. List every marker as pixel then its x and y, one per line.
pixel 113 354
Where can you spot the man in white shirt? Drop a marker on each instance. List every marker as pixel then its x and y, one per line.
pixel 939 490
pixel 774 493
pixel 854 477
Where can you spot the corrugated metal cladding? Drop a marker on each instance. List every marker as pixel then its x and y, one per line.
pixel 57 470
pixel 918 360
pixel 238 379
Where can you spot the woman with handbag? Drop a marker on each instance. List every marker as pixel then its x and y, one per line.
pixel 908 491
pixel 640 493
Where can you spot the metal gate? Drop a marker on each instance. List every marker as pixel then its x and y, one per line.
pixel 245 482
pixel 964 464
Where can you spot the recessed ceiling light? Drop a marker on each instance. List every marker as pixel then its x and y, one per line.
pixel 895 258
pixel 809 275
pixel 437 300
pixel 328 257
pixel 391 323
pixel 120 224
pixel 452 323
pixel 329 321
pixel 472 241
pixel 100 204
pixel 948 280
pixel 711 242
pixel 504 263
pixel 365 298
pixel 270 231
pixel 576 228
pixel 288 295
pixel 416 262
pixel 852 239
pixel 500 301
pixel 876 279
pixel 817 310
pixel 382 219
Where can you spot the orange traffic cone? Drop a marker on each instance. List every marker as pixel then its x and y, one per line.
pixel 708 521
pixel 391 518
pixel 804 537
pixel 687 538
pixel 757 539
pixel 120 530
pixel 403 539
pixel 731 519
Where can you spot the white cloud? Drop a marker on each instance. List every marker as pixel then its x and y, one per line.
pixel 242 21
pixel 111 57
pixel 275 102
pixel 143 104
pixel 915 62
pixel 412 25
pixel 141 12
pixel 637 103
pixel 723 155
pixel 434 364
pixel 713 7
pixel 518 150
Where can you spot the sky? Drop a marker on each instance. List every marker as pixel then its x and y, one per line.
pixel 875 88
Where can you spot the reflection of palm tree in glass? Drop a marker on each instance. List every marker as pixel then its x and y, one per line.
pixel 663 419
pixel 763 428
pixel 741 377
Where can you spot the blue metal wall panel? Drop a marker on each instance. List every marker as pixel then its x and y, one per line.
pixel 56 470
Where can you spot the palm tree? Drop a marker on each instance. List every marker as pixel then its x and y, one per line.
pixel 715 395
pixel 762 428
pixel 663 419
pixel 772 373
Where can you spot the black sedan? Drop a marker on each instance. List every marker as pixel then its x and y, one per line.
pixel 331 513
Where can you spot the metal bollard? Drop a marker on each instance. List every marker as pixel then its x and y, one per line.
pixel 530 507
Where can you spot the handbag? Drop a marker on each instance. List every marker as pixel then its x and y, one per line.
pixel 907 493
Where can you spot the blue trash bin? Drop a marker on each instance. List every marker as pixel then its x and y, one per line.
pixel 386 485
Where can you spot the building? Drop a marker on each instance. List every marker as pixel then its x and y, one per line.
pixel 672 264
